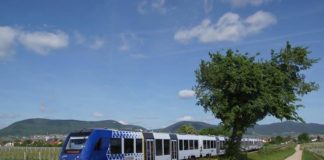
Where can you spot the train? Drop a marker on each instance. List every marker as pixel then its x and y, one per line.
pixel 110 144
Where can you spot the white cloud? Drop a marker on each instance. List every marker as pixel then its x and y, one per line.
pixel 208 5
pixel 242 3
pixel 185 118
pixel 43 42
pixel 98 43
pixel 7 40
pixel 229 27
pixel 123 122
pixel 186 94
pixel 97 114
pixel 258 21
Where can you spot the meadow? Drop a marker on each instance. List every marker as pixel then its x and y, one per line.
pixel 29 153
pixel 313 151
pixel 268 152
pixel 273 152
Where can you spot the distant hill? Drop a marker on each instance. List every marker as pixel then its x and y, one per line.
pixel 283 128
pixel 287 128
pixel 45 126
pixel 174 127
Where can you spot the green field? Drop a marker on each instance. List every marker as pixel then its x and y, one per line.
pixel 29 153
pixel 317 147
pixel 307 155
pixel 313 151
pixel 269 152
pixel 273 152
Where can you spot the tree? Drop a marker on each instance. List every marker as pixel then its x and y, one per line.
pixel 303 138
pixel 277 140
pixel 187 129
pixel 214 131
pixel 241 90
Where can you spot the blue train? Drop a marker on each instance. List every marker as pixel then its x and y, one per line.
pixel 107 144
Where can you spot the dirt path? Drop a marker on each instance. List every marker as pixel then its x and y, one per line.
pixel 297 155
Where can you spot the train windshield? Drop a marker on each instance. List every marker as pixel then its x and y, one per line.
pixel 76 143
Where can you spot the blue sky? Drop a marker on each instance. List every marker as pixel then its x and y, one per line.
pixel 134 61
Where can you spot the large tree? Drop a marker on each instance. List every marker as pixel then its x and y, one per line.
pixel 240 89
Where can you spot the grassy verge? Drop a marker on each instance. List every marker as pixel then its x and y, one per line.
pixel 307 155
pixel 273 152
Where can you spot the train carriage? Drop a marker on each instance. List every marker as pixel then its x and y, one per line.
pixel 162 146
pixel 208 146
pixel 189 146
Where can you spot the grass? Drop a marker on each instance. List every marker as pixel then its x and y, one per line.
pixel 316 147
pixel 29 153
pixel 269 152
pixel 307 155
pixel 273 152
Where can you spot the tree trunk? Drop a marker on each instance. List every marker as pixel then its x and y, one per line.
pixel 233 151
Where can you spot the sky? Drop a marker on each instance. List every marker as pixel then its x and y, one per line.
pixel 133 61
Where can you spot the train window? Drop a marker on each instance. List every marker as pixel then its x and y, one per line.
pixel 196 144
pixel 205 144
pixel 208 144
pixel 181 145
pixel 158 147
pixel 115 145
pixel 76 144
pixel 128 145
pixel 166 147
pixel 186 147
pixel 139 146
pixel 191 146
pixel 214 144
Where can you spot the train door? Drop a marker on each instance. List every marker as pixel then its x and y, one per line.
pixel 149 149
pixel 174 150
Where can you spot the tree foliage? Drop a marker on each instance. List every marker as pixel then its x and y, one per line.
pixel 303 138
pixel 241 89
pixel 277 140
pixel 214 131
pixel 187 129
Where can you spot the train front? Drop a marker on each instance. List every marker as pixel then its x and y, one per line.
pixel 74 146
